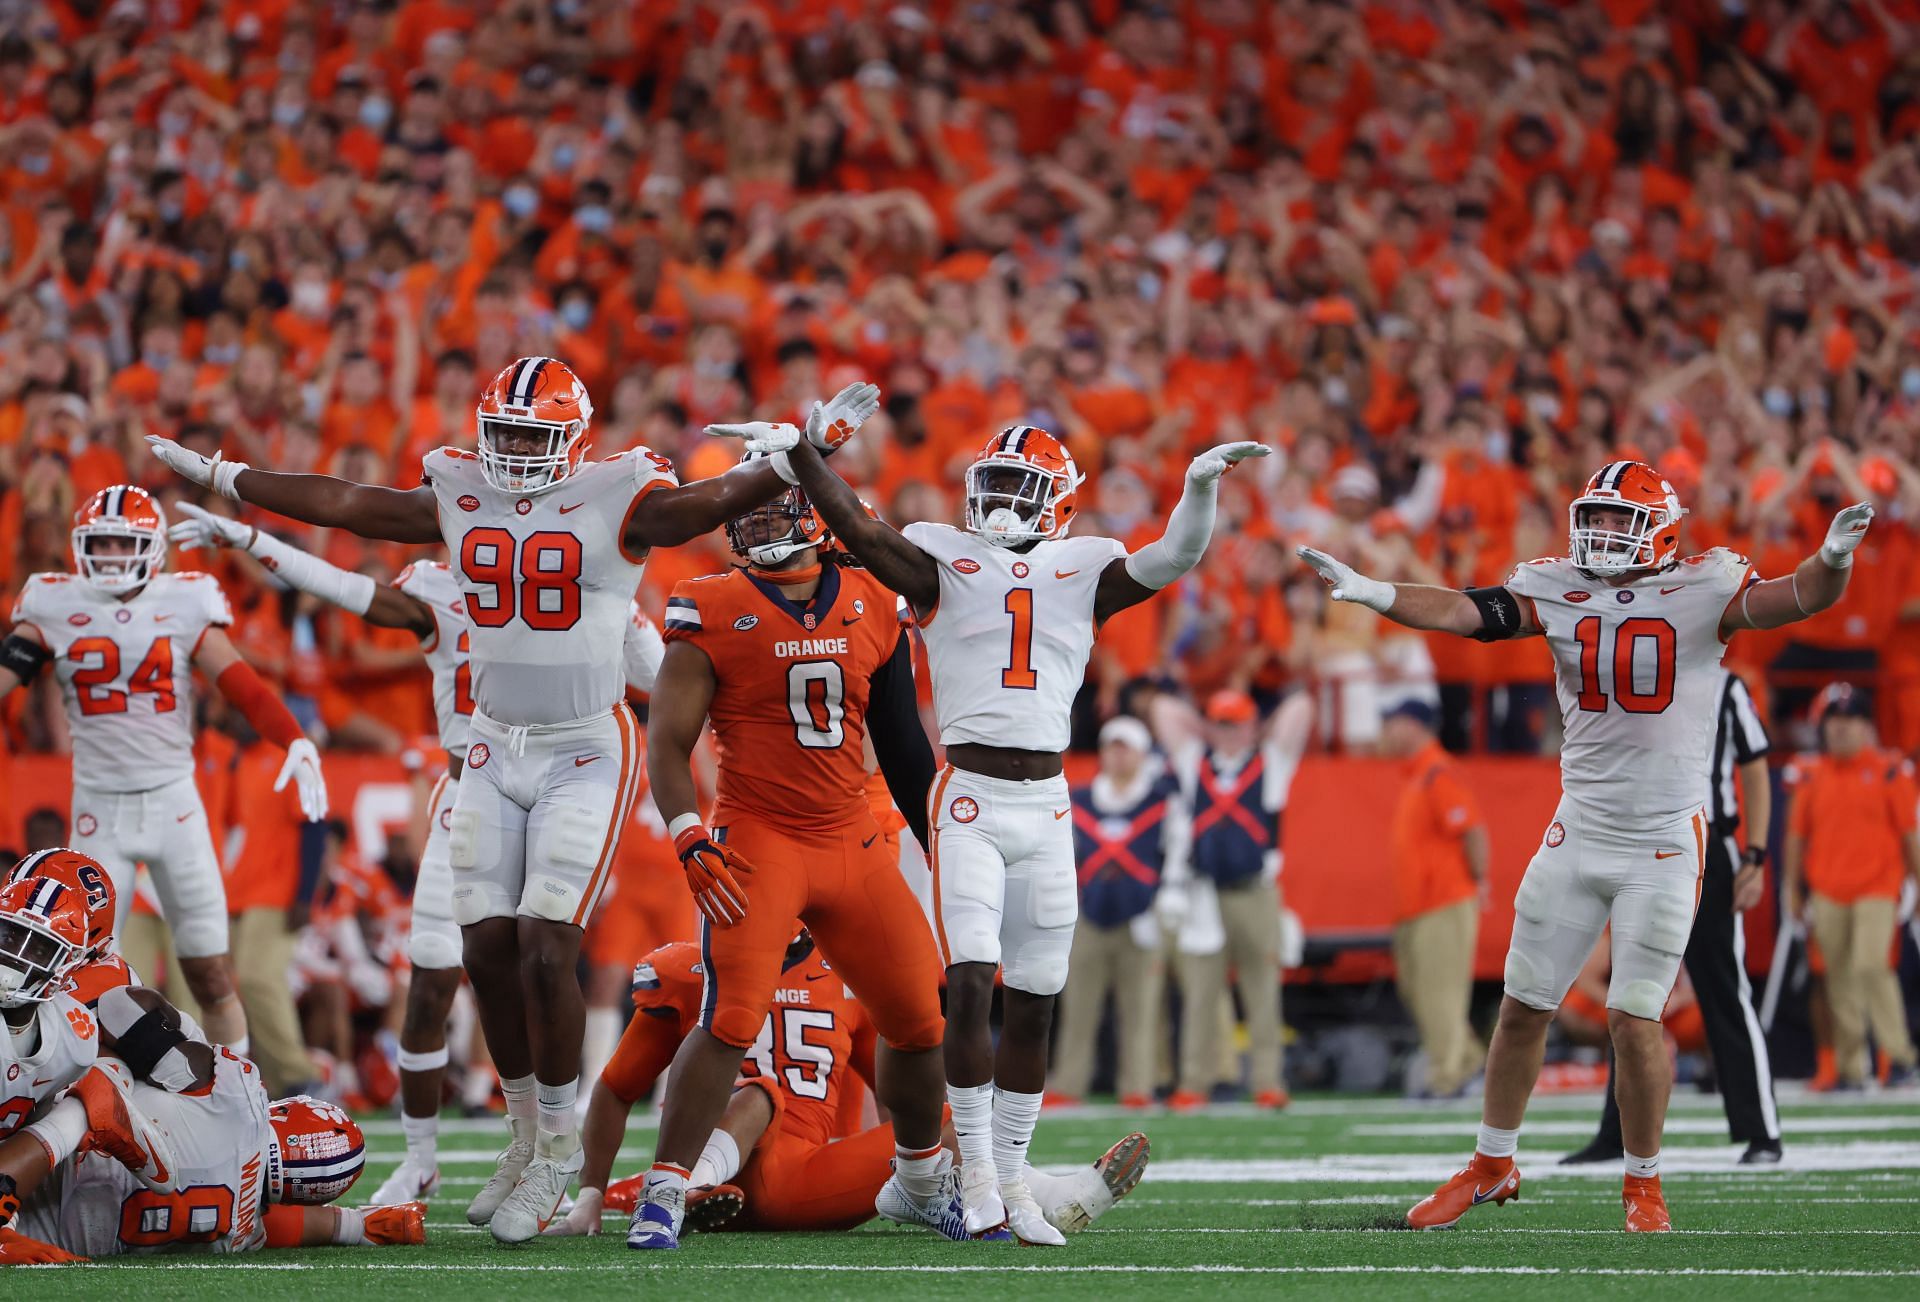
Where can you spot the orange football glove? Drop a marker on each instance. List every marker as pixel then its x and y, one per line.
pixel 397 1225
pixel 16 1249
pixel 713 875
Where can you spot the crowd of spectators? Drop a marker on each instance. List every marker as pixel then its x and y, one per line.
pixel 1447 257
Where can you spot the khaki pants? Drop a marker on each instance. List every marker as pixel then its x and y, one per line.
pixel 1433 968
pixel 262 950
pixel 147 946
pixel 1108 959
pixel 1250 916
pixel 1864 992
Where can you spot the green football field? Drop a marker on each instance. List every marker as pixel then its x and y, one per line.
pixel 1236 1203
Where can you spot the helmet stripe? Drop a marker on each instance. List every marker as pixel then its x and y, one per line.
pixel 533 380
pixel 513 384
pixel 45 896
pixel 1611 475
pixel 1015 439
pixel 116 498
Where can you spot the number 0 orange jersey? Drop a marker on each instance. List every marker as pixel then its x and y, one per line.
pixel 789 710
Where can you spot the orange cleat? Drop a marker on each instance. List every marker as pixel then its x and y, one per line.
pixel 1055 1099
pixel 116 1130
pixel 1186 1100
pixel 711 1206
pixel 1273 1100
pixel 396 1225
pixel 1646 1206
pixel 624 1195
pixel 1135 1102
pixel 1483 1180
pixel 1826 1073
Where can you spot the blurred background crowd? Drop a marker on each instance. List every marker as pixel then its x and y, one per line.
pixel 1447 257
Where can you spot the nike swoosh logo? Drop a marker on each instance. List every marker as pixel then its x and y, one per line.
pixel 817 975
pixel 1666 854
pixel 1481 1195
pixel 184 817
pixel 1060 814
pixel 161 619
pixel 1064 574
pixel 869 841
pixel 585 760
pixel 48 1081
pixel 575 507
pixel 844 621
pixel 1667 591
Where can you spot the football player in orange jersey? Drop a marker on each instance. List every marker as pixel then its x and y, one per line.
pixel 785 656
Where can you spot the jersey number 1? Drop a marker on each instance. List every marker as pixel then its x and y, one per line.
pixel 1019 671
pixel 1626 639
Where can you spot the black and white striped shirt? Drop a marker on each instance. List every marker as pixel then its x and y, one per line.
pixel 1739 737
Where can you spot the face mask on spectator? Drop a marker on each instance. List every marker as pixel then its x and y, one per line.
pixel 1497 445
pixel 289 115
pixel 375 112
pixel 170 211
pixel 1544 405
pixel 221 355
pixel 310 298
pixel 520 201
pixel 175 124
pixel 565 156
pixel 1778 402
pixel 1910 383
pixel 576 313
pixel 594 217
pixel 36 164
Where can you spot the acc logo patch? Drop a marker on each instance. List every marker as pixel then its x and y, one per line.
pixel 967 565
pixel 859 606
pixel 523 506
pixel 469 502
pixel 745 622
pixel 478 755
pixel 13 1071
pixel 1624 597
pixel 80 620
pixel 1019 569
pixel 1556 833
pixel 86 825
pixel 1578 597
pixel 122 615
pixel 964 809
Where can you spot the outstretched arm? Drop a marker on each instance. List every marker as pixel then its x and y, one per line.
pixel 1163 561
pixel 23 654
pixel 1815 584
pixel 393 514
pixel 878 546
pixel 1485 614
pixel 679 515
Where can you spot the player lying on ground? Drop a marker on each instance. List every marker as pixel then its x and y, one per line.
pixel 426 601
pixel 1003 860
pixel 121 636
pixel 549 548
pixel 795 659
pixel 1637 635
pixel 789 1153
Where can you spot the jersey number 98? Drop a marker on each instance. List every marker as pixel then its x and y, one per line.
pixel 542 588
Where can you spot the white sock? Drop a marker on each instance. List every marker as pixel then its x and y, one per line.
pixel 556 1106
pixel 1643 1168
pixel 523 1109
pixel 973 1123
pixel 719 1163
pixel 596 1046
pixel 1495 1142
pixel 423 1140
pixel 919 1170
pixel 1014 1117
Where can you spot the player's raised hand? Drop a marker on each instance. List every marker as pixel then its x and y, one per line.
pixel 763 437
pixel 833 422
pixel 1348 584
pixel 1849 527
pixel 395 1225
pixel 1215 462
pixel 205 529
pixel 303 770
pixel 713 875
pixel 213 472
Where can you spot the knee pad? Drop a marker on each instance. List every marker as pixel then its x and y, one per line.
pixel 433 945
pixel 735 1025
pixel 1053 902
pixel 202 933
pixel 570 839
pixel 1638 998
pixel 1667 924
pixel 463 839
pixel 550 899
pixel 474 902
pixel 1530 901
pixel 1039 966
pixel 1519 975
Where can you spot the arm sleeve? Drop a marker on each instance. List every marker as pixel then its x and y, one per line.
pixel 1180 547
pixel 899 741
pixel 308 573
pixel 1176 838
pixel 643 650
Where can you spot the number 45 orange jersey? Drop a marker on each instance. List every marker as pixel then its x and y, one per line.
pixel 803 765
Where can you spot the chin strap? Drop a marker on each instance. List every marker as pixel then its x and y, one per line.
pixel 787 578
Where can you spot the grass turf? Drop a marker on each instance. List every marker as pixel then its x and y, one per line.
pixel 1237 1204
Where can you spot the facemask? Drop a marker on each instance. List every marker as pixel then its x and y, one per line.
pixel 594 217
pixel 310 298
pixel 564 157
pixel 170 212
pixel 36 164
pixel 375 112
pixel 1910 383
pixel 222 355
pixel 1334 390
pixel 1497 445
pixel 1544 405
pixel 577 314
pixel 175 124
pixel 289 115
pixel 1777 401
pixel 520 201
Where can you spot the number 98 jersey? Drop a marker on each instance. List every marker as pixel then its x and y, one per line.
pixel 1637 671
pixel 125 671
pixel 1008 642
pixel 790 702
pixel 547 581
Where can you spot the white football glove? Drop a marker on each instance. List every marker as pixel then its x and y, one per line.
pixel 215 473
pixel 205 529
pixel 1215 462
pixel 303 770
pixel 833 422
pixel 1347 583
pixel 764 437
pixel 1844 534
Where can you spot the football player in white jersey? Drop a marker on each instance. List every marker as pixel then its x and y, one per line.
pixel 1009 606
pixel 548 548
pixel 122 636
pixel 426 601
pixel 1637 635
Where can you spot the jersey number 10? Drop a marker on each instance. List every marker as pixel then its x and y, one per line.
pixel 1627 638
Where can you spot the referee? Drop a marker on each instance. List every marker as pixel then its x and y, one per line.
pixel 1717 950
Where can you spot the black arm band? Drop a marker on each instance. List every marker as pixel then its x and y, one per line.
pixel 142 1045
pixel 899 741
pixel 24 656
pixel 1499 613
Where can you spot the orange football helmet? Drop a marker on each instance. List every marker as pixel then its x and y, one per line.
pixel 533 420
pixel 121 512
pixel 1647 539
pixel 43 939
pixel 1022 488
pixel 317 1154
pixel 769 534
pixel 84 876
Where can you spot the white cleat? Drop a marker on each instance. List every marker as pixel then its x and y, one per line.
pixel 1026 1220
pixel 408 1184
pixel 535 1201
pixel 945 1213
pixel 506 1174
pixel 1089 1193
pixel 981 1191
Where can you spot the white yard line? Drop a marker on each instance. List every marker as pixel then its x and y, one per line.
pixel 230 1264
pixel 1578 1129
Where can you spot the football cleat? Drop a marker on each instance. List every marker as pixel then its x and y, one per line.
pixel 712 1206
pixel 1083 1197
pixel 624 1195
pixel 1026 1220
pixel 945 1213
pixel 408 1183
pixel 535 1200
pixel 1646 1205
pixel 400 1225
pixel 980 1191
pixel 119 1130
pixel 656 1221
pixel 506 1174
pixel 1762 1152
pixel 1483 1180
pixel 1272 1100
pixel 1185 1101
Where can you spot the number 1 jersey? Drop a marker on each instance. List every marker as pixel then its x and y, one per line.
pixel 1637 671
pixel 547 581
